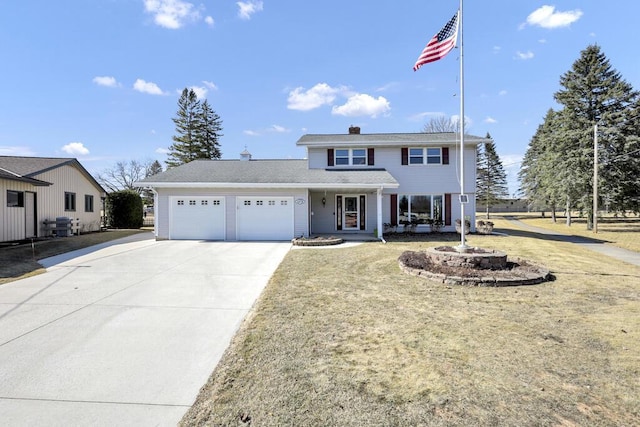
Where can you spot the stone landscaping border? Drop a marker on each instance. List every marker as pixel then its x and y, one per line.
pixel 316 241
pixel 519 278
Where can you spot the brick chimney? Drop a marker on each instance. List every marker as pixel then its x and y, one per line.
pixel 354 130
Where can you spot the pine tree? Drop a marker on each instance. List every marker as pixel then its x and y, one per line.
pixel 153 169
pixel 558 165
pixel 184 148
pixel 491 179
pixel 208 132
pixel 197 131
pixel 594 93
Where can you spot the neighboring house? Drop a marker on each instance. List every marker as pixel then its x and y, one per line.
pixel 349 183
pixel 35 190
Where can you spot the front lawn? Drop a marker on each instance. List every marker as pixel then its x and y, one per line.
pixel 341 337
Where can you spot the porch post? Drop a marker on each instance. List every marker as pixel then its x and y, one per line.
pixel 379 213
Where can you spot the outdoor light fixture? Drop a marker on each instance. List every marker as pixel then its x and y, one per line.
pixel 324 201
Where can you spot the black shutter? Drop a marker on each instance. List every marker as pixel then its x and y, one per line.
pixel 405 156
pixel 371 157
pixel 394 209
pixel 447 209
pixel 445 155
pixel 363 212
pixel 339 212
pixel 330 157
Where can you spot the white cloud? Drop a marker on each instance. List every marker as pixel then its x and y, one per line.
pixel 547 17
pixel 201 92
pixel 107 81
pixel 15 151
pixel 210 85
pixel 278 129
pixel 524 55
pixel 502 92
pixel 362 104
pixel 75 149
pixel 542 41
pixel 496 49
pixel 147 87
pixel 421 116
pixel 490 120
pixel 209 21
pixel 162 150
pixel 319 95
pixel 387 87
pixel 248 8
pixel 171 14
pixel 251 132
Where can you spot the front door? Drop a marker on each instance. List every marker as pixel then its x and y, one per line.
pixel 351 212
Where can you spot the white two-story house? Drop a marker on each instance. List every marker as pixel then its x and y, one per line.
pixel 351 183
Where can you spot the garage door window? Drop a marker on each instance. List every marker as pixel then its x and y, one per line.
pixel 180 202
pixel 204 202
pixel 247 202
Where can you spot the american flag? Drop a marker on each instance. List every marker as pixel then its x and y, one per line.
pixel 440 44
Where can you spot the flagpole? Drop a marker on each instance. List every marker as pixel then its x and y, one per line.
pixel 463 245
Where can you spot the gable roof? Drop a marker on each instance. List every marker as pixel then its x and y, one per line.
pixel 388 139
pixel 266 174
pixel 29 167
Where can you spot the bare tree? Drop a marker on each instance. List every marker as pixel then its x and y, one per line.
pixel 123 174
pixel 440 124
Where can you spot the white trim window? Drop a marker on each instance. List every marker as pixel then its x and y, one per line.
pixel 350 157
pixel 425 156
pixel 420 209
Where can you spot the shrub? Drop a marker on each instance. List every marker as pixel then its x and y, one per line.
pixel 124 209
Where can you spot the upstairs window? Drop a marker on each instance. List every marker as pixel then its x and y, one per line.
pixel 342 157
pixel 351 157
pixel 425 156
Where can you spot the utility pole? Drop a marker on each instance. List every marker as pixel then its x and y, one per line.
pixel 595 178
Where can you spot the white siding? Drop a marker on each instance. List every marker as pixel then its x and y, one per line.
pixel 12 220
pixel 51 199
pixel 413 179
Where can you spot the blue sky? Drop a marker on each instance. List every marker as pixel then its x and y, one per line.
pixel 99 80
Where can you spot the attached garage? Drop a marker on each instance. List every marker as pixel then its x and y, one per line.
pixel 200 218
pixel 265 218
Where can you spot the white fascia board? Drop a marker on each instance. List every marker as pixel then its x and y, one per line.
pixel 262 185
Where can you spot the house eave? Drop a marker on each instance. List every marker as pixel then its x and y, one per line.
pixel 225 185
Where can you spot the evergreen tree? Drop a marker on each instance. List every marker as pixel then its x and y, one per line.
pixel 208 132
pixel 197 131
pixel 491 179
pixel 594 93
pixel 184 148
pixel 153 169
pixel 540 182
pixel 558 165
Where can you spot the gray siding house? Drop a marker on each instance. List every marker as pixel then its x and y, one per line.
pixel 35 190
pixel 349 184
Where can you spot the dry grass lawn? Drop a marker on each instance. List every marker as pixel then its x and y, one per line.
pixel 18 261
pixel 622 232
pixel 341 337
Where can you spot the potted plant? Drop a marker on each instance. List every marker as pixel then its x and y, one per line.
pixel 467 226
pixel 484 227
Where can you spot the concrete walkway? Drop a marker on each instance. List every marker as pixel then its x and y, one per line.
pixel 593 244
pixel 126 334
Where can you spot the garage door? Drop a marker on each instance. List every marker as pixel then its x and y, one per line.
pixel 197 218
pixel 265 218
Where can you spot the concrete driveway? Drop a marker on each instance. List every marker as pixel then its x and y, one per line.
pixel 127 334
